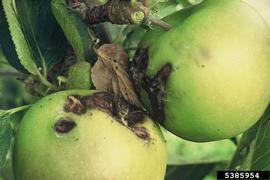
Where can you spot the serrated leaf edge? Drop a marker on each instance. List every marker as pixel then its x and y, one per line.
pixel 22 48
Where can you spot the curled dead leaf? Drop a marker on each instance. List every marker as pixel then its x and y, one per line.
pixel 110 73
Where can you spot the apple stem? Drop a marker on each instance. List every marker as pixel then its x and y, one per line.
pixel 17 109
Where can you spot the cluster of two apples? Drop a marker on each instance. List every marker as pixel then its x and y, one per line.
pixel 219 54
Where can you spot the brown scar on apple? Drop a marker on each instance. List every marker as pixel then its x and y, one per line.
pixel 75 105
pixel 156 90
pixel 142 133
pixel 154 86
pixel 64 125
pixel 138 66
pixel 127 114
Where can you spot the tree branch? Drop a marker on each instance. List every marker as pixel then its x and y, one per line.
pixel 117 12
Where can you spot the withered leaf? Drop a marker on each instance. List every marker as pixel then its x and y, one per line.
pixel 110 73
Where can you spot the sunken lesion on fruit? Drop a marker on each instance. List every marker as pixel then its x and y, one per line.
pixel 138 66
pixel 154 86
pixel 64 125
pixel 156 90
pixel 75 105
pixel 125 113
pixel 141 132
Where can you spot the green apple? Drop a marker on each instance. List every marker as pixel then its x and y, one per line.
pixel 67 135
pixel 219 82
pixel 262 6
pixel 150 37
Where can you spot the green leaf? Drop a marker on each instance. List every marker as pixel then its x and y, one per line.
pixel 182 152
pixel 13 41
pixel 77 33
pixel 5 138
pixel 45 38
pixel 33 38
pixel 213 173
pixel 245 149
pixel 2 112
pixel 188 172
pixel 2 56
pixel 253 150
pixel 6 43
pixel 261 156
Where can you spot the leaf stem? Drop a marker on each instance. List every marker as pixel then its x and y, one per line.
pixel 17 109
pixel 45 81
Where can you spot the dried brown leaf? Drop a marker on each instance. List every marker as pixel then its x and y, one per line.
pixel 110 73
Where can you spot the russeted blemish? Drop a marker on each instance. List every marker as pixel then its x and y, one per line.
pixel 123 112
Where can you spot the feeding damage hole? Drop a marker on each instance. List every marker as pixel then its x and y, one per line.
pixel 74 105
pixel 154 86
pixel 64 126
pixel 117 107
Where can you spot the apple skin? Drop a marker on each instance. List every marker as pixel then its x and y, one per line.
pixel 219 84
pixel 97 148
pixel 262 6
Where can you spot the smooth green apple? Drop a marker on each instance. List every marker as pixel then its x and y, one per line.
pixel 219 81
